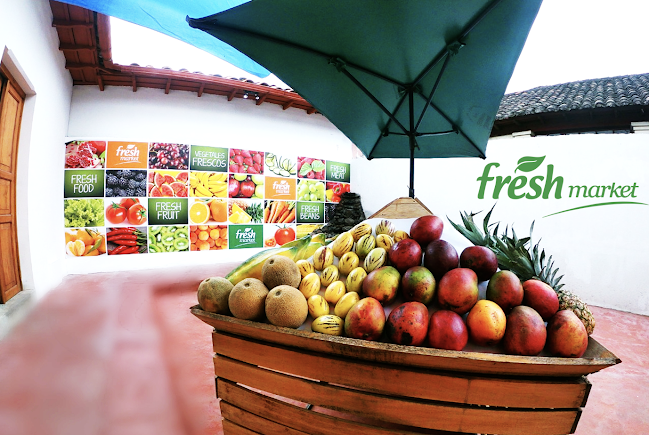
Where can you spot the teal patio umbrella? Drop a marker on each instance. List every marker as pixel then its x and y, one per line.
pixel 400 78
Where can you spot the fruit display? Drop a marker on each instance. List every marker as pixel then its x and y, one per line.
pixel 311 190
pixel 244 212
pixel 208 184
pixel 126 183
pixel 126 240
pixel 526 260
pixel 168 184
pixel 350 287
pixel 168 156
pixel 84 242
pixel 246 162
pixel 245 186
pixel 279 212
pixel 282 166
pixel 85 154
pixel 168 238
pixel 208 237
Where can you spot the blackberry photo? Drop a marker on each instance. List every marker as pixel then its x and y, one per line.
pixel 125 183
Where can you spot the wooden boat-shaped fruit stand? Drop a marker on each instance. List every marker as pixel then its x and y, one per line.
pixel 274 380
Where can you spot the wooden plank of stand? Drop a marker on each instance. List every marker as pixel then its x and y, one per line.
pixel 253 422
pixel 398 410
pixel 297 418
pixel 414 383
pixel 231 428
pixel 402 208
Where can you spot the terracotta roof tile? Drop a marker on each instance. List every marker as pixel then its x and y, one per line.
pixel 630 90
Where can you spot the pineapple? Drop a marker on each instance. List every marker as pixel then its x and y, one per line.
pixel 527 263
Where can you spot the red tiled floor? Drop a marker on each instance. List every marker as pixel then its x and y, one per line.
pixel 121 354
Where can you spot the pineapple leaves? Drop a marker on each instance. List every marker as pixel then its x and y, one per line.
pixel 519 255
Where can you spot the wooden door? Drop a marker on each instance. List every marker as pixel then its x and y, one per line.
pixel 11 108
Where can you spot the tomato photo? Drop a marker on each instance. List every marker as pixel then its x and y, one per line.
pixel 284 235
pixel 128 202
pixel 136 214
pixel 115 213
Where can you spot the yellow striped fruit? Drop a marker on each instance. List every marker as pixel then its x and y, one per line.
pixel 375 259
pixel 360 230
pixel 334 291
pixel 343 244
pixel 345 304
pixel 384 241
pixel 305 267
pixel 348 262
pixel 364 245
pixel 323 257
pixel 328 275
pixel 400 235
pixel 328 324
pixel 310 285
pixel 385 227
pixel 355 279
pixel 318 306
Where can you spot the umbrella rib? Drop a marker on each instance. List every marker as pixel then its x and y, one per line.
pixel 456 128
pixel 373 98
pixel 432 92
pixel 467 29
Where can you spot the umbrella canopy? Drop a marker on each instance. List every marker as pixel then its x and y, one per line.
pixel 401 79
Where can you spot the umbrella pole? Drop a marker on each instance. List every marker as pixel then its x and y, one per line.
pixel 411 140
pixel 411 189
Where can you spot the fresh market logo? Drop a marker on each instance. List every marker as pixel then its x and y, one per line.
pixel 245 236
pixel 127 154
pixel 280 188
pixel 548 185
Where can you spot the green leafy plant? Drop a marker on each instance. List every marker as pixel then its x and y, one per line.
pixel 79 213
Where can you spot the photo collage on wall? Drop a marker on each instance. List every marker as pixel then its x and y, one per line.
pixel 151 197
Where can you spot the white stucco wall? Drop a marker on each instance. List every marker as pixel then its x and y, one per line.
pixel 602 251
pixel 118 113
pixel 29 47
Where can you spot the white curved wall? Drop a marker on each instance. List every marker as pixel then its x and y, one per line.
pixel 602 251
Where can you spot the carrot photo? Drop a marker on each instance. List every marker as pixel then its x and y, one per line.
pixel 279 212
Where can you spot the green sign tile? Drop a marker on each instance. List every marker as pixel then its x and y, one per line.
pixel 310 212
pixel 83 183
pixel 337 171
pixel 245 236
pixel 208 159
pixel 168 211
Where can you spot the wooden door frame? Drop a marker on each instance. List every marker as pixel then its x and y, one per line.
pixel 6 79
